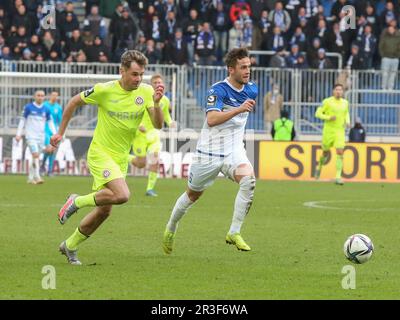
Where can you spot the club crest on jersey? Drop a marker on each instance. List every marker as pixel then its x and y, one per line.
pixel 139 101
pixel 211 100
pixel 87 93
pixel 106 173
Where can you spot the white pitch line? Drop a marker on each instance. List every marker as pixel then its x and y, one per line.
pixel 320 205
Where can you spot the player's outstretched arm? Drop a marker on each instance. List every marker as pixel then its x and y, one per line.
pixel 215 118
pixel 156 114
pixel 69 110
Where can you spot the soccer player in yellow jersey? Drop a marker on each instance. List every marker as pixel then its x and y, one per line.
pixel 146 144
pixel 335 113
pixel 121 106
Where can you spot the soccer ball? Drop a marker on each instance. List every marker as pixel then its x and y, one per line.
pixel 358 248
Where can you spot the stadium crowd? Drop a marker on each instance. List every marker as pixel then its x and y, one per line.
pixel 300 32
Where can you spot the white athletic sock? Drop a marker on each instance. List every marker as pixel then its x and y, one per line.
pixel 36 168
pixel 181 207
pixel 31 170
pixel 243 202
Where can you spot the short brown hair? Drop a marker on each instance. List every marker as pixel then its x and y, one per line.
pixel 338 85
pixel 234 55
pixel 133 56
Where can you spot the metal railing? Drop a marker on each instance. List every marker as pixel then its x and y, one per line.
pixel 335 55
pixel 302 92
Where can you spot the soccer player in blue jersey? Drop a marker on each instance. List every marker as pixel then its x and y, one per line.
pixel 221 149
pixel 56 114
pixel 34 118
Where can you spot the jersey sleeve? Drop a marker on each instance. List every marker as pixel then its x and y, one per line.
pixel 93 95
pixel 148 97
pixel 347 114
pixel 321 112
pixel 167 116
pixel 215 98
pixel 26 111
pixel 254 91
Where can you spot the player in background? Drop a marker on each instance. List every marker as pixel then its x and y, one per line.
pixel 121 106
pixel 56 114
pixel 335 114
pixel 34 119
pixel 146 145
pixel 221 148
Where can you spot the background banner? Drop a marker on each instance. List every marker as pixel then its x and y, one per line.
pixel 298 160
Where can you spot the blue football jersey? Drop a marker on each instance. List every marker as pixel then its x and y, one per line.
pixel 223 139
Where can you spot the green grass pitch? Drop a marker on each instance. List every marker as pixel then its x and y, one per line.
pixel 297 249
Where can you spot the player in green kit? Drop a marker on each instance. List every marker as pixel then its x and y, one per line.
pixel 121 106
pixel 146 145
pixel 335 113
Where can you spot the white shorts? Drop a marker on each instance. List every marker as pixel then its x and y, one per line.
pixel 205 168
pixel 35 146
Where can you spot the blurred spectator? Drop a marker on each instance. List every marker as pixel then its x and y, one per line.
pixel 302 62
pixel 277 42
pixel 293 57
pixel 125 29
pixel 265 28
pixel 6 53
pixel 24 18
pixel 205 46
pixel 156 30
pixel 148 17
pixel 339 40
pixel 278 60
pixel 283 128
pixel 389 49
pixel 152 52
pixel 116 16
pixel 18 42
pixel 97 52
pixel 280 17
pixel 368 45
pixel 357 133
pixel 204 8
pixel 2 43
pixel 141 43
pixel 248 34
pixel 356 59
pixel 323 62
pixel 300 20
pixel 257 7
pixel 322 33
pixel 299 38
pixel 74 44
pixel 96 23
pixel 237 8
pixel 50 44
pixel 35 46
pixel 191 27
pixel 221 23
pixel 372 19
pixel 171 25
pixel 337 8
pixel 68 11
pixel 89 4
pixel 388 15
pixel 273 105
pixel 68 26
pixel 4 23
pixel 236 35
pixel 176 50
pixel 27 55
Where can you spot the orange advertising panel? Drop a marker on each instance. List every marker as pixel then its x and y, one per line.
pixel 298 160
